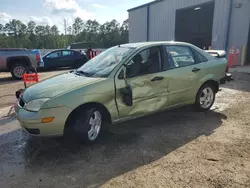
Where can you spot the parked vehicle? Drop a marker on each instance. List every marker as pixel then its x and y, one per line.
pixel 64 58
pixel 17 61
pixel 122 83
pixel 86 47
pixel 82 45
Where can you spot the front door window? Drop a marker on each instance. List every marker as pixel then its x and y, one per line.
pixel 145 62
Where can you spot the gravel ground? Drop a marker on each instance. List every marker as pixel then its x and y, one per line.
pixel 8 86
pixel 177 148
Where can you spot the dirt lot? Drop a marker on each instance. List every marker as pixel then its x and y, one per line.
pixel 178 148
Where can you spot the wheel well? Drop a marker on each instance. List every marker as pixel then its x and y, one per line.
pixel 104 111
pixel 213 83
pixel 17 60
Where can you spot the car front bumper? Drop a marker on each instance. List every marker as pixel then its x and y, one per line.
pixel 31 122
pixel 227 78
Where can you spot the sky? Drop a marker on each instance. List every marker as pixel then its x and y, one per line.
pixel 52 12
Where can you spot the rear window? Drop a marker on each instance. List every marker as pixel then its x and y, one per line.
pixel 199 58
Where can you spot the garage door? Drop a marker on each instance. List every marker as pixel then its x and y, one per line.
pixel 195 24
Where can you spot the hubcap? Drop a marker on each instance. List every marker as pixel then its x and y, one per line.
pixel 95 123
pixel 206 97
pixel 19 71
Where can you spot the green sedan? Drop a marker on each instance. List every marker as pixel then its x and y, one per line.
pixel 122 83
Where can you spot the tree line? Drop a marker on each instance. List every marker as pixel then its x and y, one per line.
pixel 16 34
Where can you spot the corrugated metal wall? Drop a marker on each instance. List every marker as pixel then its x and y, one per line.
pixel 138 25
pixel 220 25
pixel 162 21
pixel 240 21
pixel 162 18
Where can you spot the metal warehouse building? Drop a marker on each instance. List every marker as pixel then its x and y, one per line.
pixel 221 24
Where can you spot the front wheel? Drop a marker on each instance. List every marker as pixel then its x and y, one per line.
pixel 87 125
pixel 205 98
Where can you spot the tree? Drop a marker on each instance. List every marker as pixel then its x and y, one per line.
pixel 31 27
pixel 124 31
pixel 78 26
pixel 1 29
pixel 55 36
pixel 17 34
pixel 15 29
pixel 54 30
pixel 69 30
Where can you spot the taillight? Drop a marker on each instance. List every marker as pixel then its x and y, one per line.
pixel 38 58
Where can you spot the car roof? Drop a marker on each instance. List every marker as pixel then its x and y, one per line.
pixel 63 50
pixel 153 43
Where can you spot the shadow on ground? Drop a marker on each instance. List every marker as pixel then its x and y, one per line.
pixel 6 119
pixel 241 81
pixel 8 80
pixel 122 148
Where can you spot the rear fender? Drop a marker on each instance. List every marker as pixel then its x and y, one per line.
pixel 18 59
pixel 208 77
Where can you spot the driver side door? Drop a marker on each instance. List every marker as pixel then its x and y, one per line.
pixel 145 88
pixel 52 60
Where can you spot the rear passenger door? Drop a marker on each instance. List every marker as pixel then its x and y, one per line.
pixel 67 58
pixel 184 73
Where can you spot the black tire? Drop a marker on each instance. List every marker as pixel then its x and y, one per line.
pixel 80 125
pixel 201 106
pixel 14 71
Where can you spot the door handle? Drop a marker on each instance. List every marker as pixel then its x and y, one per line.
pixel 196 69
pixel 157 78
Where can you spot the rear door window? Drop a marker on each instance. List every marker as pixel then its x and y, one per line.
pixel 199 58
pixel 179 56
pixel 66 53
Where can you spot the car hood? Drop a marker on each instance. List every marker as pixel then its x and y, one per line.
pixel 57 85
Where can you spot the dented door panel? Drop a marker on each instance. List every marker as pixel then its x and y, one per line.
pixel 148 95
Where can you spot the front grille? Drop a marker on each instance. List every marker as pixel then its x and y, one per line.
pixel 21 103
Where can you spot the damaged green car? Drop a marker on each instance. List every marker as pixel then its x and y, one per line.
pixel 122 83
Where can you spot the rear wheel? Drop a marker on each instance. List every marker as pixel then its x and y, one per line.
pixel 17 71
pixel 87 124
pixel 205 97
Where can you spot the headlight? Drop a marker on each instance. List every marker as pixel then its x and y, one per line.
pixel 35 104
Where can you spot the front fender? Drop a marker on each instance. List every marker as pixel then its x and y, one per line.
pixel 106 99
pixel 74 101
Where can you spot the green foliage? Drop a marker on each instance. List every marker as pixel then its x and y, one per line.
pixel 16 34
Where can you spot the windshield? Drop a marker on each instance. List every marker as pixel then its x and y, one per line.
pixel 105 62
